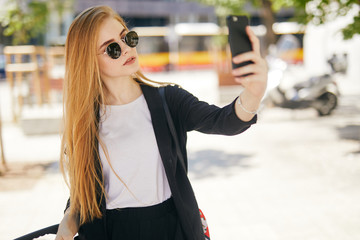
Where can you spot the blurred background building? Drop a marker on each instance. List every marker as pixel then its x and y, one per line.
pixel 185 35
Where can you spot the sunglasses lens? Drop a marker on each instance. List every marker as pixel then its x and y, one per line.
pixel 113 50
pixel 132 39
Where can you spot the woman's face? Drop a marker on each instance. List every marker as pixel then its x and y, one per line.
pixel 111 30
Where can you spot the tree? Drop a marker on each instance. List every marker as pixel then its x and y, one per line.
pixel 24 20
pixel 321 11
pixel 306 11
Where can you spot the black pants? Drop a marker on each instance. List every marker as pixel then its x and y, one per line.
pixel 158 222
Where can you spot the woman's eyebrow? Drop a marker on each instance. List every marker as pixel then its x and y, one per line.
pixel 111 40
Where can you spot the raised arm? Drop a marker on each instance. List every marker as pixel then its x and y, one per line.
pixel 254 83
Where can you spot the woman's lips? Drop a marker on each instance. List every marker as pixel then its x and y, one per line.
pixel 129 61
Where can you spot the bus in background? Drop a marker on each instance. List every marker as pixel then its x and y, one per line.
pixel 190 46
pixel 178 47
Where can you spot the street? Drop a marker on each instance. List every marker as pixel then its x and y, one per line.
pixel 293 175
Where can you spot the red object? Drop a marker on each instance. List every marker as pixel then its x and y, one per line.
pixel 205 225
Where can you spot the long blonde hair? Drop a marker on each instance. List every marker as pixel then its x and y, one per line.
pixel 83 94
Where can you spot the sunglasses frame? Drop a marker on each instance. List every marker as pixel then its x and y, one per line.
pixel 117 45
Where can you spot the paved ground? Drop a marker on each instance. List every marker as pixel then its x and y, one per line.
pixel 291 176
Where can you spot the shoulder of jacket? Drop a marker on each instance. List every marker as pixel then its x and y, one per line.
pixel 173 86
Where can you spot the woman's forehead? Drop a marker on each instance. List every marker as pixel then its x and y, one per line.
pixel 110 28
pixel 111 25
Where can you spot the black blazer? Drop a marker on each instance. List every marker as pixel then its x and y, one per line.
pixel 188 114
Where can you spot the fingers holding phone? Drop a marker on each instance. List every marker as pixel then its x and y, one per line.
pixel 255 43
pixel 239 41
pixel 249 68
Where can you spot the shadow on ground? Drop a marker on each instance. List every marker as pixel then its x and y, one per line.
pixel 24 176
pixel 350 132
pixel 212 163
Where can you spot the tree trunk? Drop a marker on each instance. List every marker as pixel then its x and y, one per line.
pixel 268 18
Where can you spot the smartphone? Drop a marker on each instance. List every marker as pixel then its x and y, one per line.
pixel 238 39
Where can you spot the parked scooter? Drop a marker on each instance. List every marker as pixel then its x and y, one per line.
pixel 320 92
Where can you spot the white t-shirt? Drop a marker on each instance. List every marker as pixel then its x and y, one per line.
pixel 129 137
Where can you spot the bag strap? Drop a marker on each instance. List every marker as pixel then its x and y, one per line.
pixel 179 154
pixel 172 128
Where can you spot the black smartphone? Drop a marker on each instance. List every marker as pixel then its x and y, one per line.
pixel 238 39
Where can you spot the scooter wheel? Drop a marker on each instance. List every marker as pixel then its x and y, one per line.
pixel 328 104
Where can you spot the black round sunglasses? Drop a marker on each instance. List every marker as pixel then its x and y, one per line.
pixel 113 50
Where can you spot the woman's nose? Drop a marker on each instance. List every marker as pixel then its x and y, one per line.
pixel 124 47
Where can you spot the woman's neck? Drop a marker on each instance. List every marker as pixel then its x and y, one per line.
pixel 122 91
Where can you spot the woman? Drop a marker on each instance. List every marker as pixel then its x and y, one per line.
pixel 125 180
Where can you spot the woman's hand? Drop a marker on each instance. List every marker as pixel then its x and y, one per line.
pixel 254 83
pixel 68 227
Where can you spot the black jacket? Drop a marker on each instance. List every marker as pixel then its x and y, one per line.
pixel 188 114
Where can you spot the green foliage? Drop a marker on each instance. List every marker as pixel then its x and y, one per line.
pixel 316 11
pixel 226 7
pixel 352 29
pixel 322 11
pixel 24 20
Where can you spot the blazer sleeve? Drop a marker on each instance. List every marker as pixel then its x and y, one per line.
pixel 197 115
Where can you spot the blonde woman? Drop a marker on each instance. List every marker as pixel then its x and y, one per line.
pixel 119 158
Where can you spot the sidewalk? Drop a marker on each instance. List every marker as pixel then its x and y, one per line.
pixel 291 176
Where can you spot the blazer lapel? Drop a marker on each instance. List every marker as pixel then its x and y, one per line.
pixel 162 134
pixel 180 186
